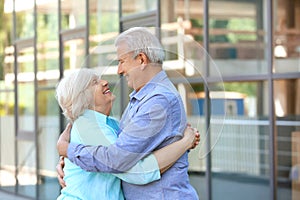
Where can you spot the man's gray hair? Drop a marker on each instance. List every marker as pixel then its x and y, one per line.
pixel 74 94
pixel 141 40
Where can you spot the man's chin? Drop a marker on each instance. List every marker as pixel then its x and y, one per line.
pixel 130 85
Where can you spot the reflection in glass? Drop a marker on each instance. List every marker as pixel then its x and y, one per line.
pixel 130 7
pixel 48 110
pixel 74 54
pixel 7 103
pixel 7 138
pixel 26 157
pixel 237 40
pixel 294 170
pixel 286 37
pixel 239 137
pixel 47 47
pixel 49 129
pixel 25 20
pixel 26 90
pixel 73 14
pixel 287 110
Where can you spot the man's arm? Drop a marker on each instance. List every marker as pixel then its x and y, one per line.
pixel 141 135
pixel 143 171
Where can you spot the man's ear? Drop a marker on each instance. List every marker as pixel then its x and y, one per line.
pixel 143 66
pixel 143 59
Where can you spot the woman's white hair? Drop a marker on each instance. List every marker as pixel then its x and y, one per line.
pixel 140 39
pixel 74 94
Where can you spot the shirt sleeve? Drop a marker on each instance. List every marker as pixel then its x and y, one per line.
pixel 143 133
pixel 145 171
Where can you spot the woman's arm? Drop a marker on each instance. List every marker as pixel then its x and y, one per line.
pixel 168 155
pixel 151 167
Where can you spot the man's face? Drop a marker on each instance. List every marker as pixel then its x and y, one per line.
pixel 128 66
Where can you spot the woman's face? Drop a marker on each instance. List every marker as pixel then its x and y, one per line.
pixel 103 97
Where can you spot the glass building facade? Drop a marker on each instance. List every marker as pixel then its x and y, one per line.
pixel 235 63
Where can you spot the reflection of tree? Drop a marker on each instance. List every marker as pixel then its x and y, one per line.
pixel 5 35
pixel 248 88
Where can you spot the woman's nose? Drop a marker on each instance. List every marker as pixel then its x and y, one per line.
pixel 104 82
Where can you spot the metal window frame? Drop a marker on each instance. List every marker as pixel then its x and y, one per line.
pixel 19 45
pixel 147 19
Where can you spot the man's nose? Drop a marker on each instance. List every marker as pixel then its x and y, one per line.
pixel 120 69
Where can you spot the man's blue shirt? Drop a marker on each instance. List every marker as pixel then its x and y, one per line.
pixel 154 118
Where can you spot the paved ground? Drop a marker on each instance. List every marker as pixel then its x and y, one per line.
pixel 225 187
pixel 8 196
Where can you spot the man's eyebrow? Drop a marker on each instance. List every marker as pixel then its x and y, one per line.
pixel 123 57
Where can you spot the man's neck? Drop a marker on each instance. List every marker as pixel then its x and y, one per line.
pixel 150 73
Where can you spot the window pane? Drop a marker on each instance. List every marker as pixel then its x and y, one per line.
pixel 49 129
pixel 287 36
pixel 7 138
pixel 237 42
pixel 7 103
pixel 26 149
pixel 239 138
pixel 48 109
pixel 130 7
pixel 47 47
pixel 74 54
pixel 25 19
pixel 287 110
pixel 104 22
pixel 237 39
pixel 73 13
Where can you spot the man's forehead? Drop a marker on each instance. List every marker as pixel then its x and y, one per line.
pixel 123 51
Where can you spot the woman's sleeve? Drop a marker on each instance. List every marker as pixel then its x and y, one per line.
pixel 145 171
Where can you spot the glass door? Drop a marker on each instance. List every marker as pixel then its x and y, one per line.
pixel 26 133
pixel 7 124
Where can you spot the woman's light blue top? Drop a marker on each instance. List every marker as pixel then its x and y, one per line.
pixel 93 128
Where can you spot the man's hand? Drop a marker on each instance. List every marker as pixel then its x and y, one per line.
pixel 59 168
pixel 63 141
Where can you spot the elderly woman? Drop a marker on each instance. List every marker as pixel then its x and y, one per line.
pixel 86 101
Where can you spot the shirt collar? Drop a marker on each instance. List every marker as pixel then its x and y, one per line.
pixel 101 118
pixel 159 77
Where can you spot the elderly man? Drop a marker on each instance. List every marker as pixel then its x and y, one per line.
pixel 154 118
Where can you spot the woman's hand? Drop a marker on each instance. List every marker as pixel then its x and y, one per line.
pixel 59 168
pixel 191 136
pixel 62 147
pixel 168 155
